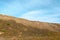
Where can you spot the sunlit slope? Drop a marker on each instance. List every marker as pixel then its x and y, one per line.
pixel 22 29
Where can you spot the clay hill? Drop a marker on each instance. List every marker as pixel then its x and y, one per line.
pixel 12 28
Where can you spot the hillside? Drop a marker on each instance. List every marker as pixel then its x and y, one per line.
pixel 12 28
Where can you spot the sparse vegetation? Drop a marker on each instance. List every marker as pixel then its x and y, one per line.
pixel 11 30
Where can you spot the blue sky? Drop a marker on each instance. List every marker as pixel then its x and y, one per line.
pixel 36 10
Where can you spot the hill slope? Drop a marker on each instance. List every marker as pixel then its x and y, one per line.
pixel 12 28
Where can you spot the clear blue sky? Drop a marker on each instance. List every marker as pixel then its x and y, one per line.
pixel 40 10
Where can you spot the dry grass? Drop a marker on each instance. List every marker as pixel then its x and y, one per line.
pixel 12 30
